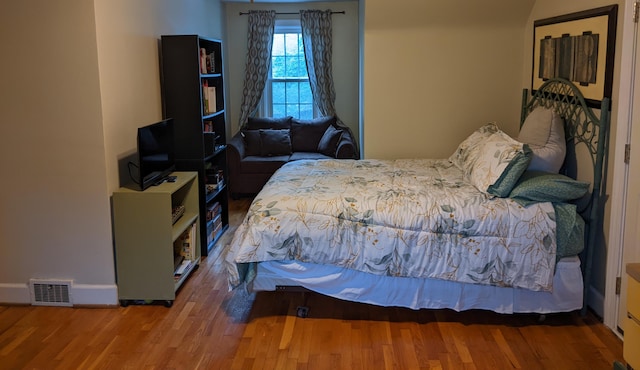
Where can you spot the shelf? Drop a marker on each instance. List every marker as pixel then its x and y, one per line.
pixel 212 115
pixel 216 152
pixel 212 221
pixel 211 196
pixel 210 75
pixel 185 275
pixel 183 224
pixel 213 242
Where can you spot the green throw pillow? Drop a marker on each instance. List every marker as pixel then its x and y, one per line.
pixel 536 186
pixel 509 177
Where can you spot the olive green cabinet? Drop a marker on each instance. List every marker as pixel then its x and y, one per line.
pixel 157 244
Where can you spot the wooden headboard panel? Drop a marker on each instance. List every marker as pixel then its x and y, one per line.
pixel 583 129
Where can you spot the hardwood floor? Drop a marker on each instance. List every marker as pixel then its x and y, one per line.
pixel 209 327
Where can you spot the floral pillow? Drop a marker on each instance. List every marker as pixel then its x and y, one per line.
pixel 491 160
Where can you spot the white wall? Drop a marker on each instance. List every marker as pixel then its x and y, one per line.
pixel 345 55
pixel 128 34
pixel 55 208
pixel 78 77
pixel 434 71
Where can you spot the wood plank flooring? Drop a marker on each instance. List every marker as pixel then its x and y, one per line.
pixel 209 327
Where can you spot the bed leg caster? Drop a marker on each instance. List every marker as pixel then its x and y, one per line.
pixel 302 311
pixel 542 318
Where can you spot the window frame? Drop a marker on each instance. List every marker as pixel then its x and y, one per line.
pixel 266 106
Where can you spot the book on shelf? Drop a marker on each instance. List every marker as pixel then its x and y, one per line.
pixel 203 60
pixel 217 223
pixel 177 261
pixel 205 93
pixel 193 234
pixel 208 126
pixel 214 179
pixel 213 210
pixel 214 228
pixel 184 246
pixel 180 270
pixel 214 174
pixel 189 248
pixel 208 98
pixel 176 213
pixel 212 62
pixel 210 188
pixel 211 99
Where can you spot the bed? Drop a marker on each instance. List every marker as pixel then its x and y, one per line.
pixel 507 225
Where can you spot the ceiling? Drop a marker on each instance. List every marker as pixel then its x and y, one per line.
pixel 285 1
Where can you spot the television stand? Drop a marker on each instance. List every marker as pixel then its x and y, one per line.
pixel 152 229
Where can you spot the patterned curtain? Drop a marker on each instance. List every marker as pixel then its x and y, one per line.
pixel 318 51
pixel 261 26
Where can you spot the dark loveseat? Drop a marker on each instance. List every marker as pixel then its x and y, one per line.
pixel 265 144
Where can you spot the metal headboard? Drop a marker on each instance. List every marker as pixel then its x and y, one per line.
pixel 582 128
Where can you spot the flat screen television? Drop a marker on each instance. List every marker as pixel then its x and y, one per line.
pixel 156 154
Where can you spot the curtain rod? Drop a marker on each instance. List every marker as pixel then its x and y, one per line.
pixel 294 13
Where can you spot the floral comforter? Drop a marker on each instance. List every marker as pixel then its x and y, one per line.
pixel 413 218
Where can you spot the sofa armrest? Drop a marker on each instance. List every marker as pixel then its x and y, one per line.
pixel 346 148
pixel 235 153
pixel 235 146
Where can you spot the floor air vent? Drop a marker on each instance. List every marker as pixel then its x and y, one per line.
pixel 50 292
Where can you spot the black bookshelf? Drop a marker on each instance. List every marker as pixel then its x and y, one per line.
pixel 193 95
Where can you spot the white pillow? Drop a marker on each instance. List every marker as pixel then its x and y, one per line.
pixel 543 130
pixel 491 160
pixel 461 155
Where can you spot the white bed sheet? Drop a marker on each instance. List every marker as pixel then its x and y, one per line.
pixel 416 293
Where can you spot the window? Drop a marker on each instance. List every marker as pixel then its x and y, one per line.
pixel 287 92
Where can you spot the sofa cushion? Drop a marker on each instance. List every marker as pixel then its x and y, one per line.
pixel 306 134
pixel 255 164
pixel 329 141
pixel 275 142
pixel 296 156
pixel 252 142
pixel 256 123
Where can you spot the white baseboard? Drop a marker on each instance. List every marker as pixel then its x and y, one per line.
pixel 82 294
pixel 15 293
pixel 101 295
